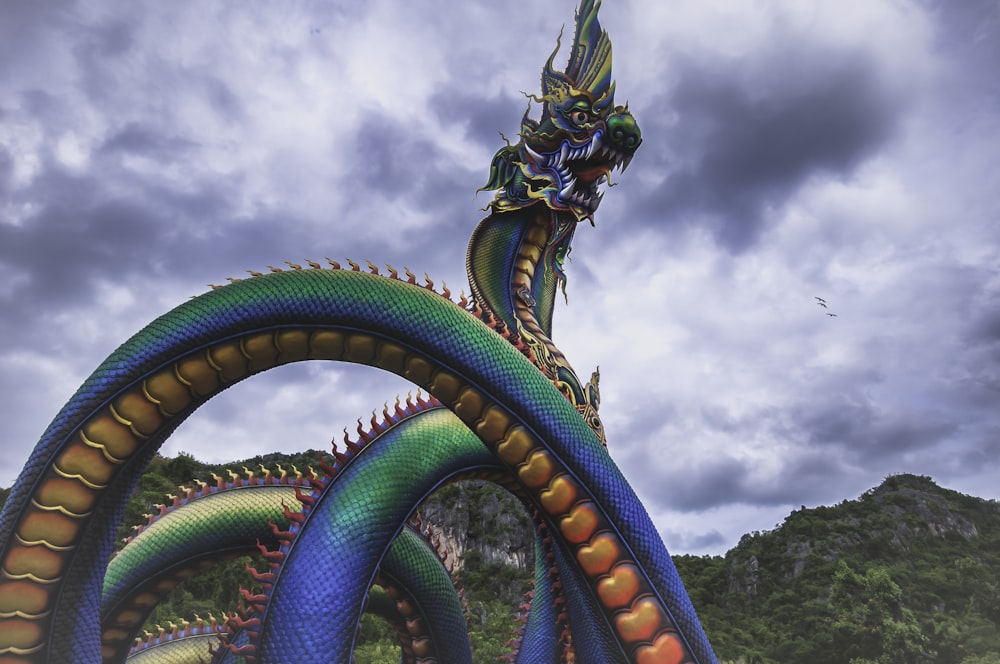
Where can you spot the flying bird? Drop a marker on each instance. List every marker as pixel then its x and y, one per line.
pixel 831 314
pixel 819 298
pixel 822 304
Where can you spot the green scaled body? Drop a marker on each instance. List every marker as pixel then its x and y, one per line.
pixel 518 412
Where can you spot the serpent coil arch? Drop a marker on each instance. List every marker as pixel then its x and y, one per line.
pixel 510 405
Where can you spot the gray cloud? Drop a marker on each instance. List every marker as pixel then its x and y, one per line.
pixel 742 137
pixel 969 33
pixel 142 139
pixel 73 239
pixel 722 481
pixel 24 30
pixel 137 166
pixel 480 119
pixel 683 541
pixel 6 172
pixel 394 163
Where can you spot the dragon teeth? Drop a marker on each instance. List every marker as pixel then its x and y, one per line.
pixel 594 145
pixel 567 191
pixel 535 156
pixel 567 153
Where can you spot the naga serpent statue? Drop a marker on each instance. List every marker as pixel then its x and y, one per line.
pixel 504 406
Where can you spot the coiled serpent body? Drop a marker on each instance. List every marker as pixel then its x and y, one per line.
pixel 517 411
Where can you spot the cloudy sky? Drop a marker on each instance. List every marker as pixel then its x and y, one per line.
pixel 793 150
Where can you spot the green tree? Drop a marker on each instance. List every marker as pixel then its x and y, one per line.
pixel 871 626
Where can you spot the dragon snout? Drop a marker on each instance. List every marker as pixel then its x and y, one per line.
pixel 623 131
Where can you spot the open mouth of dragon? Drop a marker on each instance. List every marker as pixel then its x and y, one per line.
pixel 582 170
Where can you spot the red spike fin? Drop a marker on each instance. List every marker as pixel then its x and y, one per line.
pixel 295 517
pixel 270 556
pixel 304 498
pixel 252 598
pixel 327 469
pixel 245 623
pixel 248 651
pixel 282 535
pixel 376 428
pixel 365 437
pixel 334 264
pixel 354 266
pixel 264 578
pixel 372 267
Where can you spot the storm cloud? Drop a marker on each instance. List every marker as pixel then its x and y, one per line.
pixel 792 151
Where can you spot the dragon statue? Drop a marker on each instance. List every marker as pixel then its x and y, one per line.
pixel 504 405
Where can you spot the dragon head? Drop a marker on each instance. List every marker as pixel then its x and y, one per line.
pixel 581 137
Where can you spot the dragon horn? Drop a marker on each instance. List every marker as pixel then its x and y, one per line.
pixel 589 65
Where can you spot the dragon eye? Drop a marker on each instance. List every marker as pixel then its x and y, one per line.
pixel 579 117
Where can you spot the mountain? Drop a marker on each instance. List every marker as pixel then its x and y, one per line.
pixel 908 572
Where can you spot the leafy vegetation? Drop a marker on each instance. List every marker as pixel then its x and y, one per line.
pixel 908 573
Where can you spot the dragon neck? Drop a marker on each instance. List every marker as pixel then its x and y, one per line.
pixel 514 264
pixel 515 267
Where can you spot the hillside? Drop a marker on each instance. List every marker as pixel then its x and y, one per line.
pixel 909 572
